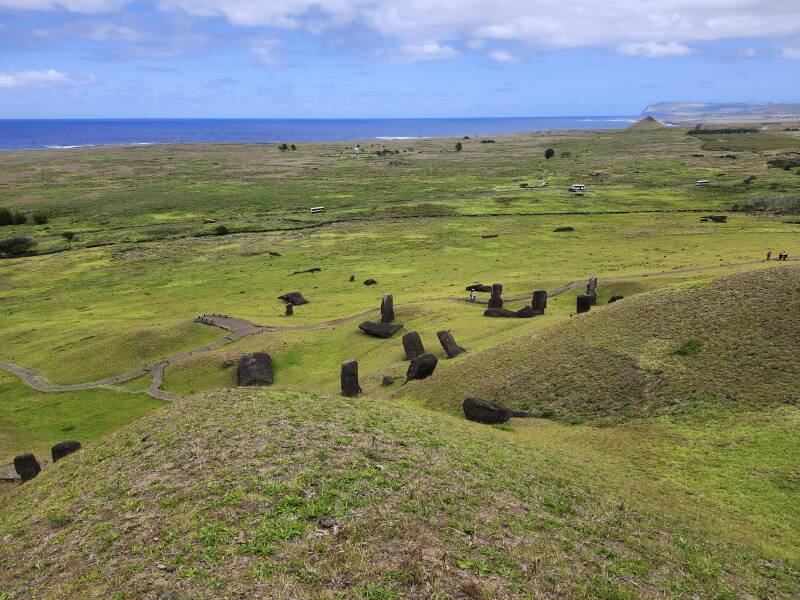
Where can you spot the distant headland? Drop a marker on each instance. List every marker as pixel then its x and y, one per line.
pixel 684 112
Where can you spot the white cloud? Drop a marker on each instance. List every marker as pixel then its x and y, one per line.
pixel 21 79
pixel 792 53
pixel 419 52
pixel 502 56
pixel 266 51
pixel 78 6
pixel 654 49
pixel 749 53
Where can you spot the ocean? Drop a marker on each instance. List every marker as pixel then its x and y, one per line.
pixel 76 133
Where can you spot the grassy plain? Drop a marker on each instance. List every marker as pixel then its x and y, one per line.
pixel 711 481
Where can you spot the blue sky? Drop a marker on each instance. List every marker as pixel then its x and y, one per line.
pixel 390 58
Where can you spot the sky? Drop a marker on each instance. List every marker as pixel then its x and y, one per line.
pixel 390 58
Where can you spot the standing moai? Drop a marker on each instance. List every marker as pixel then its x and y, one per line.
pixel 26 466
pixel 591 289
pixel 62 449
pixel 289 310
pixel 387 308
pixel 449 344
pixel 496 300
pixel 412 344
pixel 350 385
pixel 584 303
pixel 539 301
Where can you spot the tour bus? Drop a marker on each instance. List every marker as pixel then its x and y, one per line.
pixel 317 209
pixel 702 182
pixel 577 187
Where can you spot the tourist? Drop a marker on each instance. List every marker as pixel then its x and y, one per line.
pixel 472 295
pixel 769 254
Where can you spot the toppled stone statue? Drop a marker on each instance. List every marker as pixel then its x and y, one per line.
pixel 479 287
pixel 449 344
pixel 488 412
pixel 295 298
pixel 380 330
pixel 254 369
pixel 584 303
pixel 370 282
pixel 539 300
pixel 412 344
pixel 349 377
pixel 496 299
pixel 26 466
pixel 615 298
pixel 421 367
pixel 62 449
pixel 311 270
pixel 526 312
pixel 562 229
pixel 387 308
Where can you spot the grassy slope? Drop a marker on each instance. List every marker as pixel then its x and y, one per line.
pixel 31 421
pixel 222 494
pixel 631 359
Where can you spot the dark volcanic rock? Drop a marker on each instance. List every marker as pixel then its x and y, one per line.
pixel 496 300
pixel 26 466
pixel 584 303
pixel 615 298
pixel 350 385
pixel 499 312
pixel 479 287
pixel 489 235
pixel 352 278
pixel 311 270
pixel 449 344
pixel 380 330
pixel 485 411
pixel 421 367
pixel 387 308
pixel 387 380
pixel 560 229
pixel 254 369
pixel 295 298
pixel 370 282
pixel 412 344
pixel 539 300
pixel 62 449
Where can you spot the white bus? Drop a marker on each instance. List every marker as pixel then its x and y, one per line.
pixel 577 187
pixel 317 209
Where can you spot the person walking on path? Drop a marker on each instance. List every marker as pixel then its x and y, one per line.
pixel 472 295
pixel 769 254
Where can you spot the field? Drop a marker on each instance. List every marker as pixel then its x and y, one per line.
pixel 677 404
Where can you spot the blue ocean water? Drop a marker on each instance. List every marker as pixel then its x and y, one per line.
pixel 71 133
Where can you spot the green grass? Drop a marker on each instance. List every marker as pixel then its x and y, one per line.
pixel 32 421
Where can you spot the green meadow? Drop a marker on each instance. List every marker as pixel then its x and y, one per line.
pixel 662 459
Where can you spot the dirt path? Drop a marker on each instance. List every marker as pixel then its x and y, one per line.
pixel 238 328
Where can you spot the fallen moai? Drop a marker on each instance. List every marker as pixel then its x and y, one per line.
pixel 615 298
pixel 295 298
pixel 526 312
pixel 562 229
pixel 370 282
pixel 412 344
pixel 421 367
pixel 26 466
pixel 62 449
pixel 311 270
pixel 349 379
pixel 387 308
pixel 488 412
pixel 479 287
pixel 254 369
pixel 449 344
pixel 496 299
pixel 380 330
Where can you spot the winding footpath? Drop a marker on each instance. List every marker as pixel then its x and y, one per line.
pixel 239 328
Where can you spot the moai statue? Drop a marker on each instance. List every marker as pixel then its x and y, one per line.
pixel 412 344
pixel 387 308
pixel 539 301
pixel 350 385
pixel 496 300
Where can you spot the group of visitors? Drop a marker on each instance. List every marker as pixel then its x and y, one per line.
pixel 781 255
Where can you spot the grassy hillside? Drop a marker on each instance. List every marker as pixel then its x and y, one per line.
pixel 251 493
pixel 662 351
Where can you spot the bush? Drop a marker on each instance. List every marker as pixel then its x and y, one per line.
pixel 221 230
pixel 68 235
pixel 549 153
pixel 459 147
pixel 5 217
pixel 294 147
pixel 18 218
pixel 690 347
pixel 40 218
pixel 283 147
pixel 16 246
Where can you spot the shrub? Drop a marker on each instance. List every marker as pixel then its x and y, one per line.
pixel 549 153
pixel 459 147
pixel 16 246
pixel 221 230
pixel 40 218
pixel 19 218
pixel 283 147
pixel 5 217
pixel 68 235
pixel 294 147
pixel 487 141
